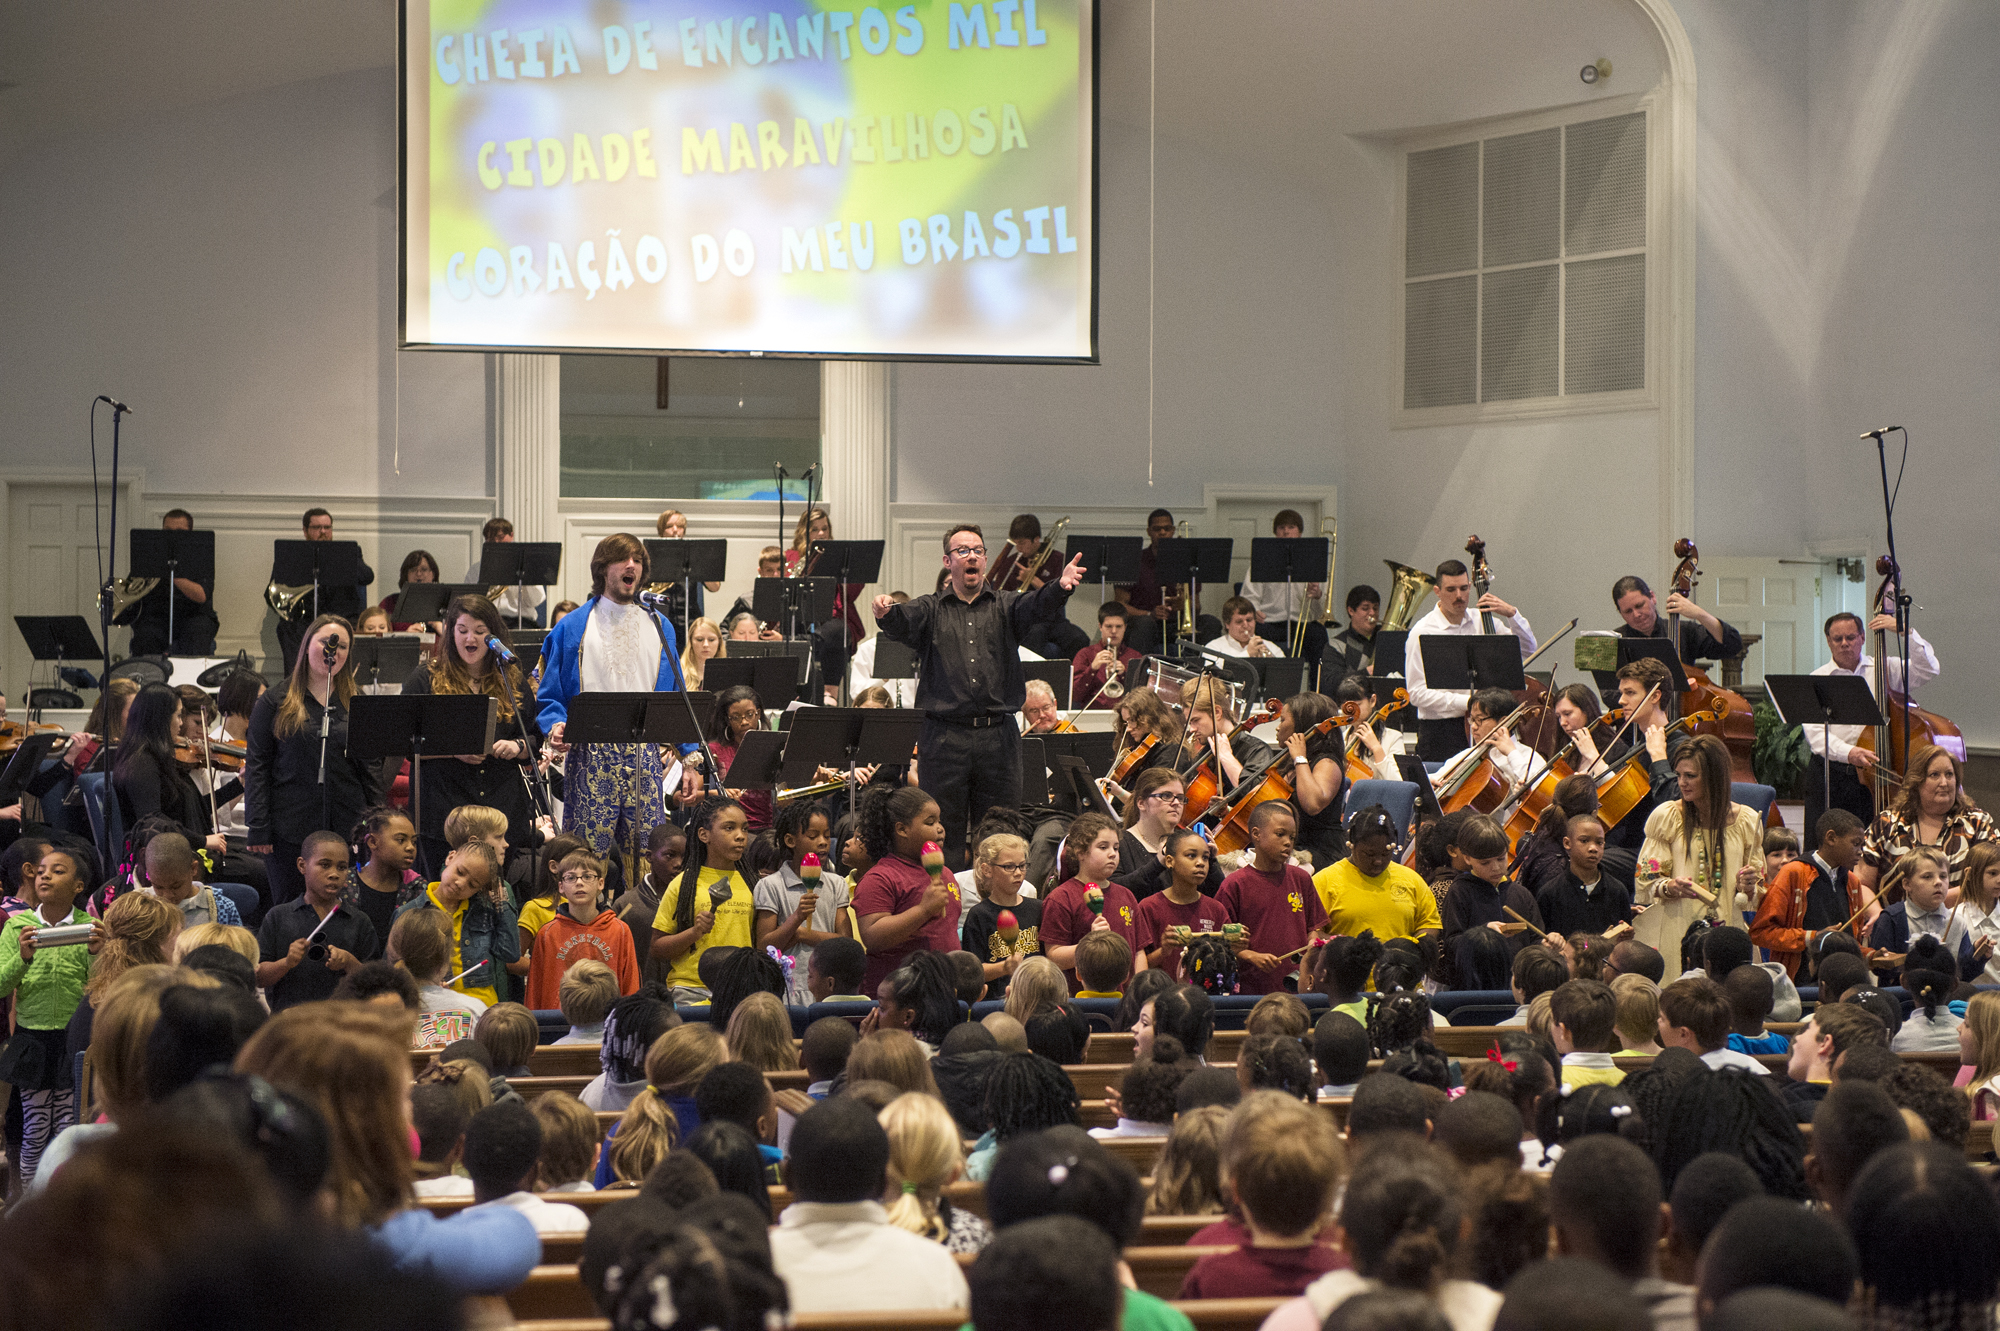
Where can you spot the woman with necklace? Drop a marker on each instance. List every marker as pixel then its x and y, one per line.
pixel 1701 853
pixel 1932 812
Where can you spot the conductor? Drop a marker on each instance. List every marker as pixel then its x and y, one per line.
pixel 967 640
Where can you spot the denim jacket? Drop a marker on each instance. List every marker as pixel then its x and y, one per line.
pixel 489 933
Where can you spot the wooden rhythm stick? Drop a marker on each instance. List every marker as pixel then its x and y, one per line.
pixel 1540 932
pixel 1855 918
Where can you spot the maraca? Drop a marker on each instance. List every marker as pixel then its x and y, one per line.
pixel 1094 898
pixel 1009 928
pixel 932 859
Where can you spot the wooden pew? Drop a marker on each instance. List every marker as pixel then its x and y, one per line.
pixel 1138 1152
pixel 1159 1230
pixel 1206 1314
pixel 532 1088
pixel 1116 1047
pixel 968 1196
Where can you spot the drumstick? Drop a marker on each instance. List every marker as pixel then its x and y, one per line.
pixel 1539 931
pixel 1855 918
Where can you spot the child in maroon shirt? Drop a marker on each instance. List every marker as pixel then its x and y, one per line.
pixel 1092 846
pixel 1185 856
pixel 903 907
pixel 1273 899
pixel 1281 1165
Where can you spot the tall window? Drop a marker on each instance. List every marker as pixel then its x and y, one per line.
pixel 701 427
pixel 1525 265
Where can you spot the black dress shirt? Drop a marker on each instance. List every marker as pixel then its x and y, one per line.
pixel 310 980
pixel 968 653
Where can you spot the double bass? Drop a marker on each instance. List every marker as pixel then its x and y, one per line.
pixel 1894 741
pixel 1733 721
pixel 1545 737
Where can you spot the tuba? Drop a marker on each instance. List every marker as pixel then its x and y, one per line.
pixel 125 593
pixel 1406 593
pixel 289 602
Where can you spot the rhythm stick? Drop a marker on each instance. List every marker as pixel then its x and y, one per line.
pixel 460 976
pixel 1855 918
pixel 324 921
pixel 1540 932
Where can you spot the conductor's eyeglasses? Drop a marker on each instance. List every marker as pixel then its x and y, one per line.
pixel 967 551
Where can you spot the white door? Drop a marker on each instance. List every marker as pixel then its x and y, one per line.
pixel 1783 600
pixel 52 569
pixel 1243 520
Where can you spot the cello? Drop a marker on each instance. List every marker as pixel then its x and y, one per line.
pixel 1906 725
pixel 1732 719
pixel 1204 788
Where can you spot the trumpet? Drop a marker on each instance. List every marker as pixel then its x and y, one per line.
pixel 125 593
pixel 1024 574
pixel 288 601
pixel 1114 674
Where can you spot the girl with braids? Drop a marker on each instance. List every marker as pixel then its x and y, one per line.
pixel 1400 1220
pixel 1275 1062
pixel 792 914
pixel 709 905
pixel 1726 1110
pixel 1699 840
pixel 630 1028
pixel 904 907
pixel 1024 1094
pixel 382 881
pixel 1319 774
pixel 920 997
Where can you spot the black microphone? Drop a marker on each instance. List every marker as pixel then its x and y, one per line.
pixel 499 649
pixel 653 600
pixel 116 405
pixel 330 648
pixel 1877 434
pixel 782 473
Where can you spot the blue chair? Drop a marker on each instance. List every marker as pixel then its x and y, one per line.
pixel 1398 797
pixel 1754 797
pixel 251 908
pixel 1448 1002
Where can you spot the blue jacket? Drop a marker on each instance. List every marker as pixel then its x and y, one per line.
pixel 1892 934
pixel 562 664
pixel 475 1252
pixel 490 933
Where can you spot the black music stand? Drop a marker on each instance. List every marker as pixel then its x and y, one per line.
pixel 418 726
pixel 1635 649
pixel 686 562
pixel 1278 676
pixel 800 652
pixel 26 760
pixel 1412 768
pixel 848 737
pixel 1193 560
pixel 893 660
pixel 849 563
pixel 774 678
pixel 524 563
pixel 636 718
pixel 1089 751
pixel 1472 661
pixel 158 553
pixel 1289 559
pixel 316 563
pixel 58 638
pixel 1056 674
pixel 1108 559
pixel 527 647
pixel 1825 701
pixel 759 760
pixel 790 602
pixel 424 602
pixel 392 654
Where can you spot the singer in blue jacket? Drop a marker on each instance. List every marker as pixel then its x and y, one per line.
pixel 475 657
pixel 611 644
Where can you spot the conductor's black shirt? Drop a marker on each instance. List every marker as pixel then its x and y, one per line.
pixel 968 652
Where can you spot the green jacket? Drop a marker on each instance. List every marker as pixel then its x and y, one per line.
pixel 51 985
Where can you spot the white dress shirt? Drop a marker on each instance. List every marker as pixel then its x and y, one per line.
pixel 546 1217
pixel 833 1258
pixel 1441 704
pixel 1513 766
pixel 1726 1057
pixel 1967 918
pixel 1274 600
pixel 531 597
pixel 1838 740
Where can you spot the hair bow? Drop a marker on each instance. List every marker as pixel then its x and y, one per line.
pixel 1495 1056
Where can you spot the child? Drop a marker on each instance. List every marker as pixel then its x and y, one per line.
pixel 582 928
pixel 835 972
pixel 488 826
pixel 1185 857
pixel 824 1052
pixel 691 919
pixel 1750 996
pixel 1344 972
pixel 1090 850
pixel 1273 899
pixel 1781 847
pixel 569 1142
pixel 374 621
pixel 503 1147
pixel 1368 892
pixel 1536 971
pixel 1831 1030
pixel 1103 960
pixel 1979 1052
pixel 420 940
pixel 541 897
pixel 49 981
pixel 1188 1178
pixel 1638 1025
pixel 999 871
pixel 1481 893
pixel 1925 877
pixel 588 989
pixel 1341 1054
pixel 438 1114
pixel 666 847
pixel 903 905
pixel 794 915
pixel 508 1033
pixel 384 843
pixel 1280 1166
pixel 1812 895
pixel 1976 918
pixel 1933 1026
pixel 1694 1016
pixel 1584 900
pixel 1585 1013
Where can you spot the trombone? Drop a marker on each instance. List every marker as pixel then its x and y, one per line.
pixel 1323 612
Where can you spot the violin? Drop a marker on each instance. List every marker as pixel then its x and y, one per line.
pixel 13 732
pixel 224 757
pixel 1893 742
pixel 1128 762
pixel 1534 799
pixel 1624 789
pixel 1354 760
pixel 1734 722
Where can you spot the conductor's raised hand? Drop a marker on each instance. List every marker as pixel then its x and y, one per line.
pixel 1072 574
pixel 882 604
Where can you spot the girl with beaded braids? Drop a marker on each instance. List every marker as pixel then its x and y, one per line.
pixel 1024 1094
pixel 709 904
pixel 793 913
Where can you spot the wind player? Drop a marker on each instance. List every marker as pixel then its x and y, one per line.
pixel 1351 651
pixel 1239 635
pixel 1279 606
pixel 611 644
pixel 1089 668
pixel 333 599
pixel 195 624
pixel 1846 639
pixel 1024 541
pixel 524 615
pixel 1440 729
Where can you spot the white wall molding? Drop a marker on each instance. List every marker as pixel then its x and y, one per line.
pixel 527 442
pixel 1672 208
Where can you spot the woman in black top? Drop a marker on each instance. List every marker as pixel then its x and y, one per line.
pixel 1318 775
pixel 463 664
pixel 285 801
pixel 149 781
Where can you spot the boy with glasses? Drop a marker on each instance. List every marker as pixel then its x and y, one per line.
pixel 583 928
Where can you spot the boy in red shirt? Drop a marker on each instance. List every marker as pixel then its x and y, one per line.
pixel 1183 903
pixel 1281 1163
pixel 580 929
pixel 1067 915
pixel 1273 899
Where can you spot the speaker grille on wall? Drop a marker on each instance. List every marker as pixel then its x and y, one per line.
pixel 1440 350
pixel 1523 198
pixel 1441 233
pixel 1518 343
pixel 1604 325
pixel 1604 183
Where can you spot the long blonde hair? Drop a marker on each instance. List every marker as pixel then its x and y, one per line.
pixel 894 1057
pixel 760 1034
pixel 1982 1018
pixel 1036 987
pixel 646 1132
pixel 925 1154
pixel 140 929
pixel 675 1065
pixel 1187 1179
pixel 291 717
pixel 690 667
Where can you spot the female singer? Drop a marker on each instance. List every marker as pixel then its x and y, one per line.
pixel 704 644
pixel 418 566
pixel 463 663
pixel 149 780
pixel 737 713
pixel 1319 774
pixel 1931 812
pixel 1700 839
pixel 290 728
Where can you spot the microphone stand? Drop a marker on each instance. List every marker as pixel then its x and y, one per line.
pixel 325 732
pixel 1896 570
pixel 538 789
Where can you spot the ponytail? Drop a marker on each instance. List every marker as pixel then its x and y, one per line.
pixel 881 811
pixel 645 1133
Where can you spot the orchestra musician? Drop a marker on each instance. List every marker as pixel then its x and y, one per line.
pixel 527 613
pixel 1141 715
pixel 194 621
pixel 148 779
pixel 1846 638
pixel 1704 636
pixel 829 645
pixel 1645 740
pixel 1279 606
pixel 1485 713
pixel 1355 644
pixel 1239 636
pixel 1040 710
pixel 672 525
pixel 342 602
pixel 1024 541
pixel 611 644
pixel 1440 729
pixel 704 644
pixel 1090 668
pixel 1212 733
pixel 861 671
pixel 1319 773
pixel 1377 749
pixel 1151 603
pixel 418 566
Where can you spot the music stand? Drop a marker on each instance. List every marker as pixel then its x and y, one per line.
pixel 790 602
pixel 1590 654
pixel 1093 749
pixel 527 648
pixel 1193 560
pixel 1109 559
pixel 1472 661
pixel 424 602
pixel 848 737
pixel 852 563
pixel 1056 674
pixel 636 718
pixel 1279 676
pixel 58 638
pixel 759 760
pixel 800 651
pixel 318 563
pixel 686 562
pixel 1035 790
pixel 158 553
pixel 25 761
pixel 1825 701
pixel 772 677
pixel 1083 787
pixel 417 726
pixel 1289 559
pixel 1412 768
pixel 523 563
pixel 392 654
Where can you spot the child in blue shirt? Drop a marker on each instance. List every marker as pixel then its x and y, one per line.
pixel 1750 995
